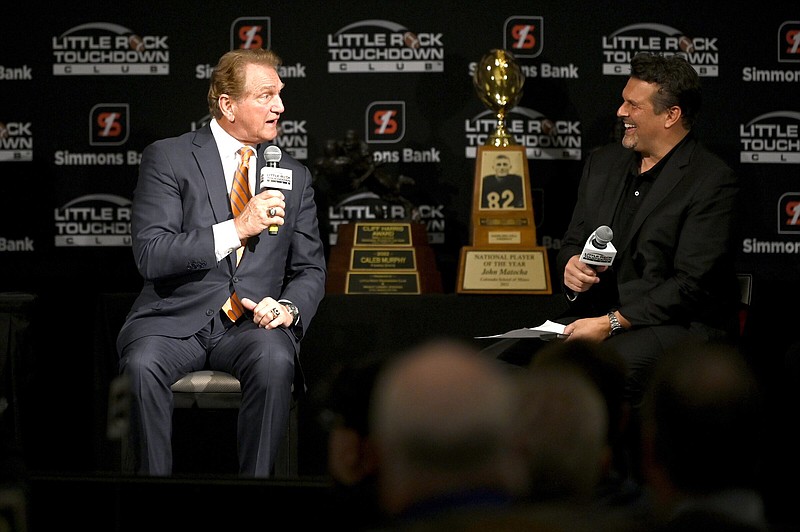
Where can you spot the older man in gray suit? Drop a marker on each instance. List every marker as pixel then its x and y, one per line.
pixel 202 244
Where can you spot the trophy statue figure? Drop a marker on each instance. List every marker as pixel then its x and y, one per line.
pixel 498 82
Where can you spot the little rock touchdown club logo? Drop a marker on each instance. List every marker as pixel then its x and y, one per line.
pixel 16 141
pixel 94 220
pixel 543 138
pixel 771 138
pixel 619 47
pixel 381 46
pixel 106 49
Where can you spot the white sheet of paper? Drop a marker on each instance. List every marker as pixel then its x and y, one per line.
pixel 548 329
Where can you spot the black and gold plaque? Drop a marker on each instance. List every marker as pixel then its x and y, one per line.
pixel 382 258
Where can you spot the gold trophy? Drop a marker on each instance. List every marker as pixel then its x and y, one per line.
pixel 498 81
pixel 503 257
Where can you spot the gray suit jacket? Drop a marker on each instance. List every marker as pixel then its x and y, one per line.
pixel 180 194
pixel 676 266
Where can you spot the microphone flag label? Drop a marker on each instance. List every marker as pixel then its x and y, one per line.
pixel 595 256
pixel 276 178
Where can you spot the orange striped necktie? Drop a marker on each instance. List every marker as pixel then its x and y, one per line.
pixel 240 191
pixel 240 195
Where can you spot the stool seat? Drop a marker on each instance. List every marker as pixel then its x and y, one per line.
pixel 207 381
pixel 199 390
pixel 207 389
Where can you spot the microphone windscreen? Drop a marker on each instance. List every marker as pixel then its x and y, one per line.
pixel 273 154
pixel 604 234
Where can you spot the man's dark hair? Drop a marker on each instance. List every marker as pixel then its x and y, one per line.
pixel 677 80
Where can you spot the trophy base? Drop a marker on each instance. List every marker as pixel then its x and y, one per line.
pixel 517 270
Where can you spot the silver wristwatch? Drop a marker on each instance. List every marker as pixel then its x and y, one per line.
pixel 616 326
pixel 293 309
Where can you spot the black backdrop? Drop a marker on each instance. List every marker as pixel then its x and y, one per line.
pixel 87 87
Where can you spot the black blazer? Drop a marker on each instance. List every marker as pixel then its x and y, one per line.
pixel 676 265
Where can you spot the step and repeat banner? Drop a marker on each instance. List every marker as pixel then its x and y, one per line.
pixel 380 105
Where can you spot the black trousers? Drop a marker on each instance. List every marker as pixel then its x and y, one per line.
pixel 640 348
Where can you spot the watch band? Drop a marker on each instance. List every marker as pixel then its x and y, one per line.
pixel 616 326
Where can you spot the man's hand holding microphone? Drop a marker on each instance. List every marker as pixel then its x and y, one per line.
pixel 597 256
pixel 266 210
pixel 580 274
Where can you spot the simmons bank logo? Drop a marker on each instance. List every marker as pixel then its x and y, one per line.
pixel 16 141
pixel 788 224
pixel 788 52
pixel 789 213
pixel 524 36
pixel 106 49
pixel 543 138
pixel 251 32
pixel 385 122
pixel 771 138
pixel 108 124
pixel 620 46
pixel 94 220
pixel 379 46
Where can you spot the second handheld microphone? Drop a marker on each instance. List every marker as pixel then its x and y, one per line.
pixel 599 251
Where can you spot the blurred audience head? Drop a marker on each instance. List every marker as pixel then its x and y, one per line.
pixel 562 431
pixel 442 418
pixel 701 423
pixel 605 367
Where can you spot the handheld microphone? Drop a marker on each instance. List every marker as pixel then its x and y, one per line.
pixel 599 251
pixel 273 177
